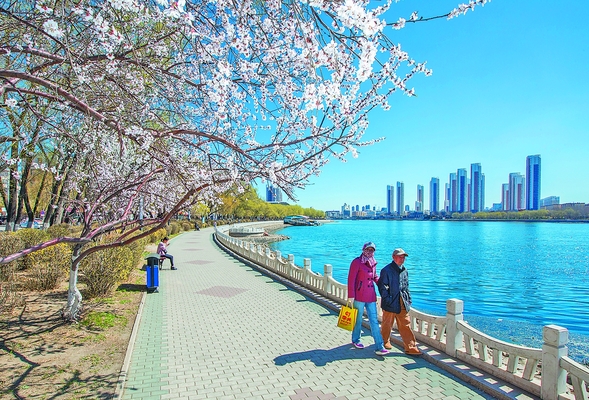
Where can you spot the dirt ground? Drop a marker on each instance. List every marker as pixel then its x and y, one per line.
pixel 43 357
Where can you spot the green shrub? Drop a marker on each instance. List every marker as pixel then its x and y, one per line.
pixel 30 237
pixel 60 230
pixel 10 243
pixel 173 228
pixel 103 270
pixel 158 235
pixel 50 267
pixel 187 226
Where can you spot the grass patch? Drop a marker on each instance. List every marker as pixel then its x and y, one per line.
pixel 94 338
pixel 101 320
pixel 93 359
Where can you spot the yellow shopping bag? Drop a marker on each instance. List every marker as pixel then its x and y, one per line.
pixel 347 317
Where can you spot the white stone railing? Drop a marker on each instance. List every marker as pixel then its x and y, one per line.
pixel 517 365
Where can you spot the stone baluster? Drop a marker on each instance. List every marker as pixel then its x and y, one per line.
pixel 268 259
pixel 553 349
pixel 327 273
pixel 454 310
pixel 307 267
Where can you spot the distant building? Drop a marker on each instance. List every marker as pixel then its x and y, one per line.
pixel 505 200
pixel 434 195
pixel 497 207
pixel 533 178
pixel 549 201
pixel 273 194
pixel 461 190
pixel 419 201
pixel 517 192
pixel 447 191
pixel 346 211
pixel 453 193
pixel 390 199
pixel 333 214
pixel 477 188
pixel 400 198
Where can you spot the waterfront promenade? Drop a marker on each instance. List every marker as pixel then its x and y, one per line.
pixel 220 329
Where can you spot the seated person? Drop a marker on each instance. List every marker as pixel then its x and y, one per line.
pixel 163 252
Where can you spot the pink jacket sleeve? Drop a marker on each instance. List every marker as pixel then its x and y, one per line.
pixel 352 274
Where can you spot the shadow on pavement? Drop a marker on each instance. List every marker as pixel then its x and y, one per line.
pixel 321 357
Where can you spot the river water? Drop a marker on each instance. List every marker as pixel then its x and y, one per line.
pixel 514 277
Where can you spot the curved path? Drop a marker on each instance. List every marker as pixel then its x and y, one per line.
pixel 219 329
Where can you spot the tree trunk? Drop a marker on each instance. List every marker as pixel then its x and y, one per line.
pixel 72 310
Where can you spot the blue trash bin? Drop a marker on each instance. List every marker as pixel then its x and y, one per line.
pixel 152 280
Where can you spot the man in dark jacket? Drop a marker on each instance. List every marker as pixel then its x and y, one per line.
pixel 393 286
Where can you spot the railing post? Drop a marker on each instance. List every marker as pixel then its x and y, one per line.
pixel 327 273
pixel 553 349
pixel 268 258
pixel 307 267
pixel 454 313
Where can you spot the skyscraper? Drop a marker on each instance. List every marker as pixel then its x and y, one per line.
pixel 434 195
pixel 477 188
pixel 505 199
pixel 400 198
pixel 390 199
pixel 419 201
pixel 452 193
pixel 533 182
pixel 273 194
pixel 461 190
pixel 517 191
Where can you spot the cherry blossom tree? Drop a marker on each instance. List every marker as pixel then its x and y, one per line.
pixel 174 102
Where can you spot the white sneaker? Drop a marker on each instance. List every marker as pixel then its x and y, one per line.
pixel 382 352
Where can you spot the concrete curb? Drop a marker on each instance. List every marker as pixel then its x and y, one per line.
pixel 120 389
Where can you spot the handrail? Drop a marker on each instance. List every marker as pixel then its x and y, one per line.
pixel 517 365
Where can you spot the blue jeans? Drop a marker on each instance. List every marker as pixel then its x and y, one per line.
pixel 372 318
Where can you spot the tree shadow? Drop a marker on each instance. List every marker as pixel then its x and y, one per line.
pixel 321 357
pixel 131 287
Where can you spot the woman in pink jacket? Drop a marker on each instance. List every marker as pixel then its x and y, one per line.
pixel 362 280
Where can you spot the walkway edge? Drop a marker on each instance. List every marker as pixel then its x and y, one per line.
pixel 120 389
pixel 466 373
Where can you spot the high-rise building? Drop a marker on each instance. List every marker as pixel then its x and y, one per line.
pixel 533 182
pixel 400 198
pixel 434 195
pixel 390 199
pixel 505 199
pixel 453 193
pixel 517 191
pixel 461 190
pixel 446 197
pixel 273 194
pixel 419 201
pixel 346 210
pixel 477 188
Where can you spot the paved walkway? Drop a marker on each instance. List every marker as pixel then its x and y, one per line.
pixel 219 329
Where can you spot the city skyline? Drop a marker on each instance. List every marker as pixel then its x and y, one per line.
pixel 466 194
pixel 494 97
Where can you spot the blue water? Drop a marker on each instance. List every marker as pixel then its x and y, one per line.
pixel 514 277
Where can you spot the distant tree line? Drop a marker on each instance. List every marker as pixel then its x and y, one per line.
pixel 247 205
pixel 567 213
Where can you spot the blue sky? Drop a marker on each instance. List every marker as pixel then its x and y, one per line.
pixel 510 79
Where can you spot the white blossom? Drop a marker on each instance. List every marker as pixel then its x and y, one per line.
pixel 52 28
pixel 10 102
